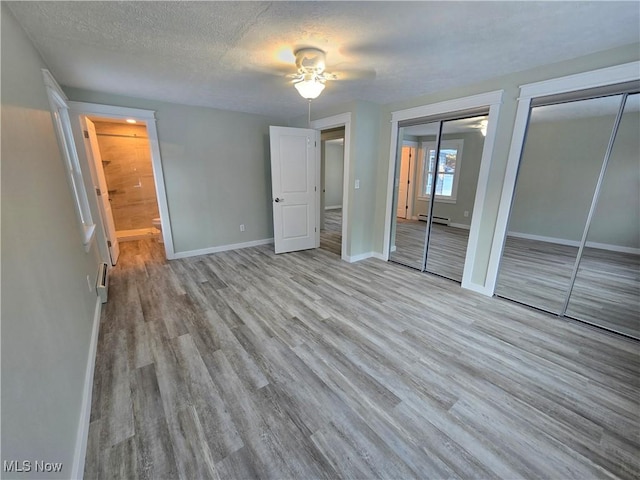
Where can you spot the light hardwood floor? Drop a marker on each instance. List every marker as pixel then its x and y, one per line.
pixel 246 364
pixel 446 253
pixel 331 234
pixel 535 273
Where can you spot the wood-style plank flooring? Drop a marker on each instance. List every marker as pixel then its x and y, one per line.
pixel 535 273
pixel 447 250
pixel 246 364
pixel 606 291
pixel 331 234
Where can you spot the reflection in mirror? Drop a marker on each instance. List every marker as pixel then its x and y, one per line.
pixel 409 227
pixel 607 287
pixel 559 168
pixel 456 180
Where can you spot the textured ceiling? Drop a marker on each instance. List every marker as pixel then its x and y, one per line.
pixel 228 54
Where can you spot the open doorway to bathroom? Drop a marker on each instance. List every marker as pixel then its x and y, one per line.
pixel 125 158
pixel 332 186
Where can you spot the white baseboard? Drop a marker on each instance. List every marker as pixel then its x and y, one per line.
pixel 77 469
pixel 475 287
pixel 333 207
pixel 379 256
pixel 460 225
pixel 575 243
pixel 357 258
pixel 363 256
pixel 221 248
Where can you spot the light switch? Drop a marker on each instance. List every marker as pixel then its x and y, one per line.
pixel 357 183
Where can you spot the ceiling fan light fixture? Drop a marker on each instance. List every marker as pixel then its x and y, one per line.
pixel 309 87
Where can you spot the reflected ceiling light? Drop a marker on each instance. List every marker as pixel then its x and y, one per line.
pixel 483 128
pixel 310 86
pixel 131 120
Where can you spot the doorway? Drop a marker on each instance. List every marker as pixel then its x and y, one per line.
pixel 145 119
pixel 125 159
pixel 342 121
pixel 332 187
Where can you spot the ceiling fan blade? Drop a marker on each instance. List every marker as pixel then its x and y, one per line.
pixel 273 69
pixel 350 74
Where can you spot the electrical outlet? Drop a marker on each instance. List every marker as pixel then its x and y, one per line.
pixel 466 213
pixel 242 227
pixel 89 283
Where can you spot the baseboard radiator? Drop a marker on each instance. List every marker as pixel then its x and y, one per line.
pixel 436 219
pixel 102 282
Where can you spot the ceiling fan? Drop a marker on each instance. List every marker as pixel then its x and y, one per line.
pixel 311 75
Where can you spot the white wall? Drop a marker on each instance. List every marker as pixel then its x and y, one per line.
pixel 216 168
pixel 47 308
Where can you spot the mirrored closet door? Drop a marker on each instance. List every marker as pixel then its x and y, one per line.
pixel 607 284
pixel 572 242
pixel 409 226
pixel 455 176
pixel 437 167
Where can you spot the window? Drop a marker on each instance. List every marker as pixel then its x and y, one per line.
pixel 448 169
pixel 62 125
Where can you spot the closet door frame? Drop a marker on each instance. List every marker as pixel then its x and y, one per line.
pixel 597 78
pixel 492 100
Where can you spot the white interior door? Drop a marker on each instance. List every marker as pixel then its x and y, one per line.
pixel 93 149
pixel 295 196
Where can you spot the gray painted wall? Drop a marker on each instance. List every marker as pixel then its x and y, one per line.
pixel 216 168
pixel 558 173
pixel 47 308
pixel 333 173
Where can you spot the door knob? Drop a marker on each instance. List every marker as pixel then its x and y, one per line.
pixel 278 200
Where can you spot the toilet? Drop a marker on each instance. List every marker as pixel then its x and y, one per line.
pixel 158 224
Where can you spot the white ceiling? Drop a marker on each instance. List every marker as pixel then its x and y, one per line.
pixel 225 54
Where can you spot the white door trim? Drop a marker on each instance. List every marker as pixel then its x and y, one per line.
pixel 493 100
pixel 342 120
pixel 580 81
pixel 148 118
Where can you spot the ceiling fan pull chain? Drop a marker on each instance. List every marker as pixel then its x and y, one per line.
pixel 309 118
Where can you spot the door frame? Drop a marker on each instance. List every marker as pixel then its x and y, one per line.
pixel 581 81
pixel 146 117
pixel 342 120
pixel 411 177
pixel 493 100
